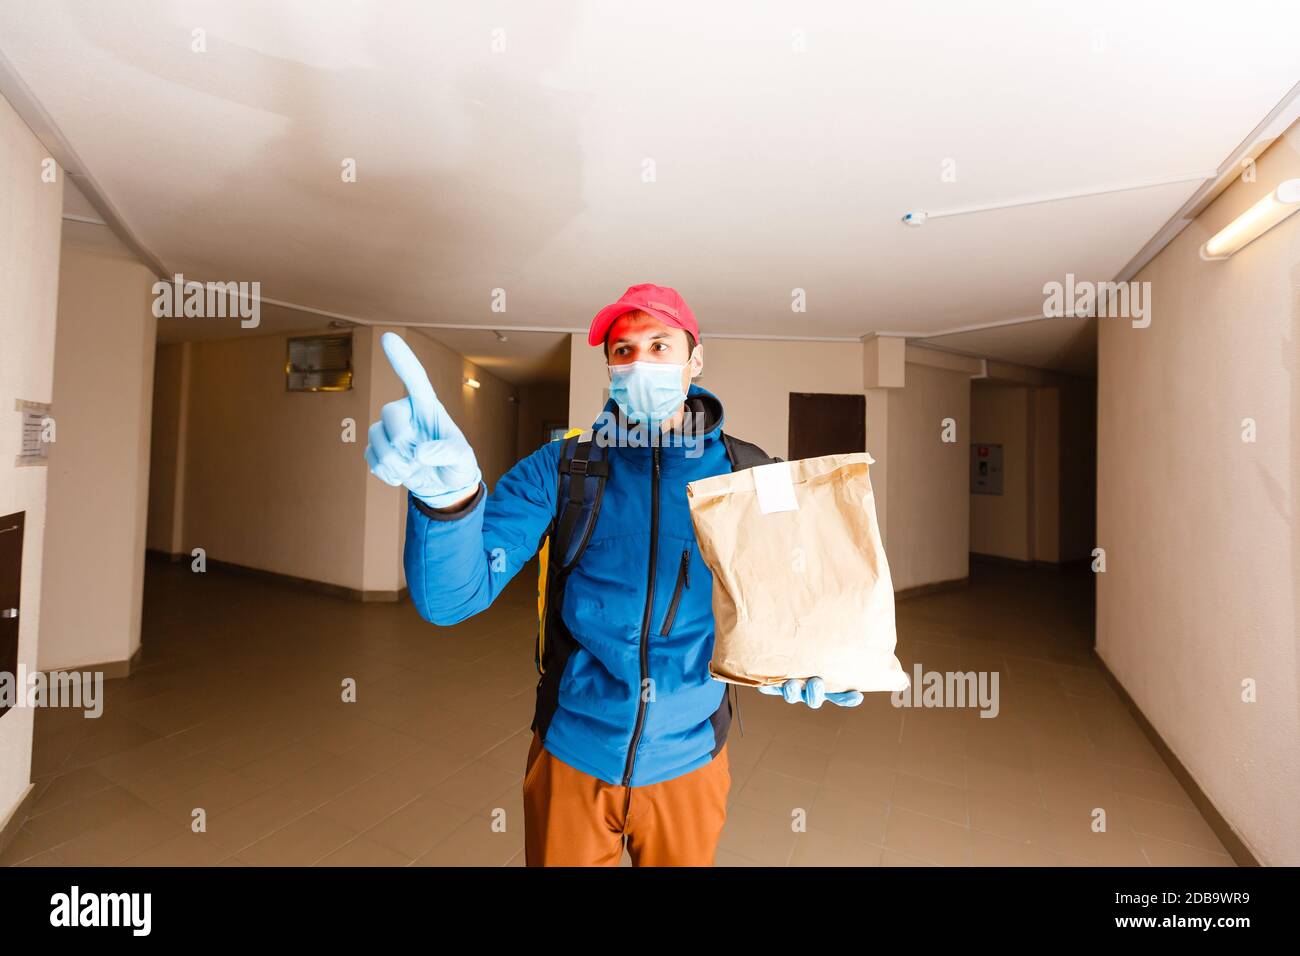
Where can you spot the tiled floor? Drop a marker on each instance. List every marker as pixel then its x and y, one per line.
pixel 238 711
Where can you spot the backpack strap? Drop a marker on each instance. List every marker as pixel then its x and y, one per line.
pixel 584 469
pixel 743 454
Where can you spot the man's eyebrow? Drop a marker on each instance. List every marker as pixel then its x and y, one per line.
pixel 654 335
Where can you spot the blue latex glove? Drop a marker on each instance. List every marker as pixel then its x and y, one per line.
pixel 415 442
pixel 812 693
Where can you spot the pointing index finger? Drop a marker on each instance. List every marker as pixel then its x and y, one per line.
pixel 409 370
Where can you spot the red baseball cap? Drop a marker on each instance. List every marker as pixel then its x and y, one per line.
pixel 659 300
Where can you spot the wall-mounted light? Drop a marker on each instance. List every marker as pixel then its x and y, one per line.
pixel 1254 222
pixel 473 383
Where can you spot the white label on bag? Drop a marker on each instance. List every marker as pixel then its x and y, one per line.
pixel 775 488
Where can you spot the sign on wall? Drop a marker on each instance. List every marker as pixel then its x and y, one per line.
pixel 986 468
pixel 37 429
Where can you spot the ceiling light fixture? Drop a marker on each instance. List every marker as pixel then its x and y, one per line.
pixel 1254 222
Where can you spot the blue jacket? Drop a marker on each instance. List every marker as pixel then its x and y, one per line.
pixel 590 709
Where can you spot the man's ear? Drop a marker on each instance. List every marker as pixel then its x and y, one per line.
pixel 697 359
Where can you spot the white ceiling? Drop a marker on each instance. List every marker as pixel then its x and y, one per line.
pixel 776 170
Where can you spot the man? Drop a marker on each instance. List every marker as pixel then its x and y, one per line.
pixel 630 729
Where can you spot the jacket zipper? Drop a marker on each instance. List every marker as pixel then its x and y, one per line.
pixel 645 620
pixel 683 578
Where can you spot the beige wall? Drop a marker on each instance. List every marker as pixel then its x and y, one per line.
pixel 539 404
pixel 29 284
pixel 1202 530
pixel 1045 512
pixel 878 449
pixel 1000 524
pixel 99 467
pixel 587 377
pixel 269 481
pixel 167 444
pixel 1045 475
pixel 928 479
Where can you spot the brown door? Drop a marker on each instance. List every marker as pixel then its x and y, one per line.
pixel 11 572
pixel 826 424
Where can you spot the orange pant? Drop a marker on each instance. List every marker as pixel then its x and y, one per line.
pixel 574 819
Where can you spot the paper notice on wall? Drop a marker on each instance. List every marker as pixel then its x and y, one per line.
pixel 36 428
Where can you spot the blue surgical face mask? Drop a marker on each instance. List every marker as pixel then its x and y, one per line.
pixel 647 391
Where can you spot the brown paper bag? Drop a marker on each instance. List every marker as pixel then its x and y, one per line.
pixel 801 587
